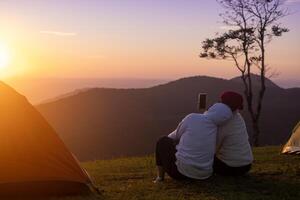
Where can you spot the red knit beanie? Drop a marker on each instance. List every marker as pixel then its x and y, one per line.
pixel 233 100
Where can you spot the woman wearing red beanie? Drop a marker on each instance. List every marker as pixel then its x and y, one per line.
pixel 233 152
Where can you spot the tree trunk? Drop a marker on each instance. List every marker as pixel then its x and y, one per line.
pixel 256 133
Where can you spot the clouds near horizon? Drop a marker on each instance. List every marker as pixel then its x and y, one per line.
pixel 58 33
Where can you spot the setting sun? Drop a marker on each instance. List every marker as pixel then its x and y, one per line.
pixel 4 57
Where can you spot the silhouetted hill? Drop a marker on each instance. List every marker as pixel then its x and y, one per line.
pixel 256 81
pixel 103 123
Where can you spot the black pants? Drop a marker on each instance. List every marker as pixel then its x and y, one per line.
pixel 165 157
pixel 222 168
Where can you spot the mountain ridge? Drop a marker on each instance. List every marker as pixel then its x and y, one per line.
pixel 77 91
pixel 102 123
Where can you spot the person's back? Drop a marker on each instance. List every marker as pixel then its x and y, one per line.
pixel 233 147
pixel 194 158
pixel 197 143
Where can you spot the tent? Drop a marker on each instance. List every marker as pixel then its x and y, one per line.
pixel 293 144
pixel 33 159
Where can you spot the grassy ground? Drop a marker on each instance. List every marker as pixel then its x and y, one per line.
pixel 273 176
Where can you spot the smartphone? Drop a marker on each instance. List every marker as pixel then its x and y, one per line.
pixel 202 98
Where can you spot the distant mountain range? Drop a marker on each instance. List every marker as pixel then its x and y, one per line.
pixel 41 90
pixel 38 90
pixel 103 123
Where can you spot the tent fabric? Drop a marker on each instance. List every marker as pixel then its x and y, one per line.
pixel 293 144
pixel 30 149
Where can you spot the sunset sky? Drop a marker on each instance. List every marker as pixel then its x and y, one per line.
pixel 124 39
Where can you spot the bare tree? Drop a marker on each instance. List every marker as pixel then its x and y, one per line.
pixel 252 25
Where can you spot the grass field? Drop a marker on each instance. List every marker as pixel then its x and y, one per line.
pixel 273 176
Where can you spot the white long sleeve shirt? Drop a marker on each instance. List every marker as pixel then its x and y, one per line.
pixel 233 147
pixel 197 141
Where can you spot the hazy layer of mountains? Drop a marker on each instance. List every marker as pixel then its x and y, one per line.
pixel 38 90
pixel 102 123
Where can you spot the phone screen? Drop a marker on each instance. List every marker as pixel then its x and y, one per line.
pixel 202 101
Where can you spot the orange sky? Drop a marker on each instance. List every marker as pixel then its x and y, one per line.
pixel 122 39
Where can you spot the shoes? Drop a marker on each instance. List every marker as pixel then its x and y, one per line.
pixel 158 180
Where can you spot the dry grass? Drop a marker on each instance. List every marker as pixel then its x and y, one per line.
pixel 273 177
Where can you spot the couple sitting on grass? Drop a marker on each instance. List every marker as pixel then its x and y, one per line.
pixel 204 144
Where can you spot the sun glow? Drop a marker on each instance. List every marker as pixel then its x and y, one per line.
pixel 4 57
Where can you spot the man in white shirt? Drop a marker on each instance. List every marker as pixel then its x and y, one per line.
pixel 233 151
pixel 188 152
